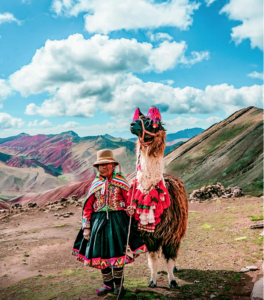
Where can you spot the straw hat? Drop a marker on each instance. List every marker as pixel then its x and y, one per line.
pixel 105 156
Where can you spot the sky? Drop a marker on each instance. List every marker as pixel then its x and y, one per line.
pixel 86 65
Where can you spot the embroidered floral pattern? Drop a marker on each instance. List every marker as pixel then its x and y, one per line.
pixel 85 223
pixel 113 202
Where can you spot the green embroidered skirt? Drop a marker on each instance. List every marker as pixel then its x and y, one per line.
pixel 107 244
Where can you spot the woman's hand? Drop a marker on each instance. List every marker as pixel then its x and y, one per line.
pixel 130 210
pixel 87 233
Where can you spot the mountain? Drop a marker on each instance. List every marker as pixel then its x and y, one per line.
pixel 230 152
pixel 11 138
pixel 42 162
pixel 186 133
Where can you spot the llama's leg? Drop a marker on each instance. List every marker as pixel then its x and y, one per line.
pixel 170 266
pixel 170 253
pixel 153 261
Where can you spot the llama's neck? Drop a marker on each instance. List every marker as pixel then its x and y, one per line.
pixel 150 172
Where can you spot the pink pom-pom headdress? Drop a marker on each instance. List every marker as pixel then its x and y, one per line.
pixel 155 116
pixel 136 114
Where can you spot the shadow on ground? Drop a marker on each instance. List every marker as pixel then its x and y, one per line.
pixel 80 284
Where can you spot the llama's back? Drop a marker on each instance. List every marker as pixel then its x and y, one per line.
pixel 174 219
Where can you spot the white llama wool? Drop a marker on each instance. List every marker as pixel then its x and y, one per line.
pixel 150 172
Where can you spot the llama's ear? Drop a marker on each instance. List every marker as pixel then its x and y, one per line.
pixel 155 116
pixel 137 114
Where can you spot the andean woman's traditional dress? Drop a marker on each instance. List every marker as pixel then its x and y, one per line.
pixel 103 212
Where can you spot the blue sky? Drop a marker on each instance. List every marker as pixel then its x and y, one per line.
pixel 199 61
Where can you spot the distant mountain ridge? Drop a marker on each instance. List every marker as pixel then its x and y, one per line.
pixel 186 133
pixel 66 157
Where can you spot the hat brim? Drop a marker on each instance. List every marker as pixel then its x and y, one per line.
pixel 105 161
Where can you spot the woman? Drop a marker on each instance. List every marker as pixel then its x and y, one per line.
pixel 102 240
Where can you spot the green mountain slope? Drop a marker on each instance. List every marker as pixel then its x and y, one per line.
pixel 230 152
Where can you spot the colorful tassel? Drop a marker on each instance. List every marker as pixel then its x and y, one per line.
pixel 137 114
pixel 155 116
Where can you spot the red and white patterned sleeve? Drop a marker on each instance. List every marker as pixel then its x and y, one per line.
pixel 87 212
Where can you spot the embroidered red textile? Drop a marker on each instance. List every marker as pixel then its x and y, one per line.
pixel 148 208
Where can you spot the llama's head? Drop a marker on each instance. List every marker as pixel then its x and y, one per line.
pixel 150 131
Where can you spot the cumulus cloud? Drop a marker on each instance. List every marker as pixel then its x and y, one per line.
pixel 68 125
pixel 209 2
pixel 8 18
pixel 77 60
pixel 250 13
pixel 256 74
pixel 104 16
pixel 7 121
pixel 159 36
pixel 5 91
pixel 167 81
pixel 44 124
pixel 81 75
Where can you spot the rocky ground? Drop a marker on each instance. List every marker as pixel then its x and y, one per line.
pixel 36 261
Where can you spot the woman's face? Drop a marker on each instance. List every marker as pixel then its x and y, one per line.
pixel 106 170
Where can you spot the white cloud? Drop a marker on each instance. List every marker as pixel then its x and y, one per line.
pixel 181 123
pixel 256 74
pixel 159 36
pixel 69 125
pixel 44 124
pixel 209 2
pixel 5 91
pixel 8 18
pixel 168 81
pixel 187 100
pixel 104 16
pixel 81 74
pixel 250 13
pixel 7 121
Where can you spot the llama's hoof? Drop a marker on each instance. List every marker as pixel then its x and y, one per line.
pixel 175 270
pixel 174 285
pixel 152 284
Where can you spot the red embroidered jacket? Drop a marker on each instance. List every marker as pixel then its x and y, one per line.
pixel 117 200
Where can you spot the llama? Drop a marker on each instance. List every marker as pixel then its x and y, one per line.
pixel 166 237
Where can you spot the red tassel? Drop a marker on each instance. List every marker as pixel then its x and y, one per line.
pixel 159 210
pixel 147 200
pixel 138 193
pixel 141 199
pixel 154 193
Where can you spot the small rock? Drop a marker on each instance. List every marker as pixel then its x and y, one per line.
pixel 71 213
pixel 209 264
pixel 252 268
pixel 56 215
pixel 243 270
pixel 262 233
pixel 241 238
pixel 24 263
pixel 220 287
pixel 63 199
pixel 212 296
pixel 66 216
pixel 32 204
pixel 196 281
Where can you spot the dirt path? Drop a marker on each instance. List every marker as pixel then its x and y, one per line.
pixel 36 261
